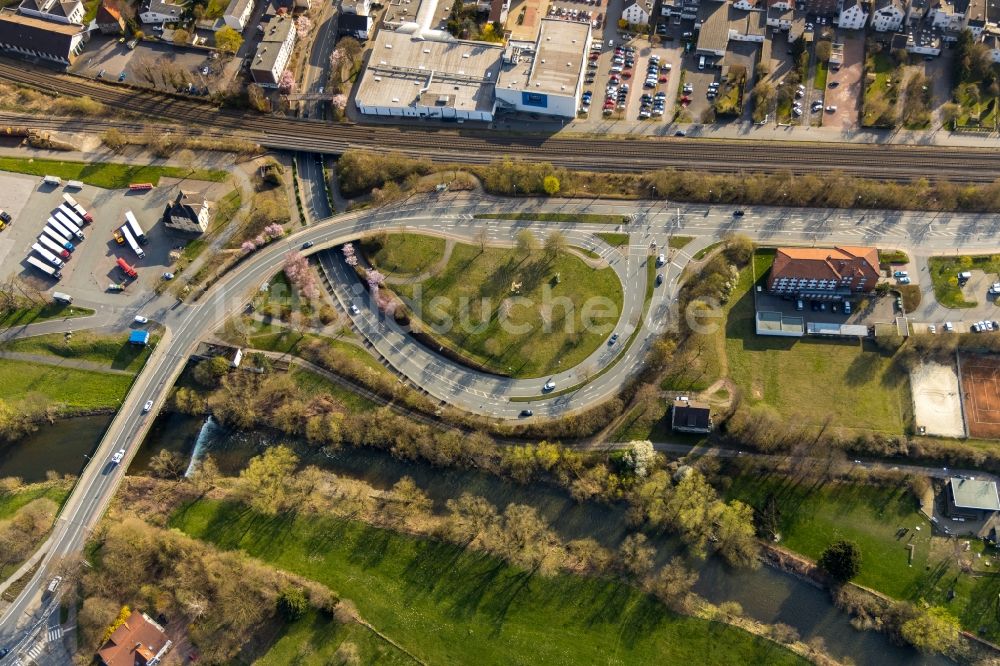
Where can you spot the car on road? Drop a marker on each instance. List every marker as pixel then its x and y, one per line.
pixel 900 274
pixel 680 133
pixel 168 276
pixel 54 584
pixel 139 319
pixel 661 259
pixel 613 339
pixel 118 457
pixel 948 326
pixel 549 385
pixel 354 309
pixel 307 245
pixel 526 413
pixel 738 213
pixel 148 406
pixel 659 279
pixel 101 73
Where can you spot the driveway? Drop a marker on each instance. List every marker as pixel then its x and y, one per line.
pixel 846 96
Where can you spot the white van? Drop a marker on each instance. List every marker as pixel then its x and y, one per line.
pixel 701 62
pixel 52 180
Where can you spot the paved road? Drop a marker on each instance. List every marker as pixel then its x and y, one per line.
pixel 452 214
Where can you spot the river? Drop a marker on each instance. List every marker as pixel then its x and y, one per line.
pixel 766 594
pixel 63 447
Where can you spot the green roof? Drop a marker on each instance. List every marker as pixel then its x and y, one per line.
pixel 970 494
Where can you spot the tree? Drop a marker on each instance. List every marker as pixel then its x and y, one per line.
pixel 470 517
pixel 824 50
pixel 292 603
pixel 409 500
pixel 950 111
pixel 932 630
pixel 555 243
pixel 551 185
pixel 673 582
pixel 258 100
pixel 167 465
pixel 267 483
pixel 635 555
pixel 739 249
pixel 182 36
pixel 526 241
pixel 763 98
pixel 211 371
pixel 228 40
pixel 841 561
pixel 736 536
pixel 114 139
pixel 287 82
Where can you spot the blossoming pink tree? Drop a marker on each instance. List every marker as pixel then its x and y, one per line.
pixel 287 82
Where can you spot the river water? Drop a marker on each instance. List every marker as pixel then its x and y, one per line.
pixel 63 447
pixel 765 594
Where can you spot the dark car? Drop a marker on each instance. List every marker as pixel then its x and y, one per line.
pixel 613 339
pixel 5 216
pixel 738 213
pixel 307 245
pixel 834 84
pixel 527 412
pixel 659 279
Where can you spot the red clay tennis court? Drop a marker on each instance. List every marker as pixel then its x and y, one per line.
pixel 981 394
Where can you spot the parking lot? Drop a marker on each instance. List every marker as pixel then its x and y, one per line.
pixel 601 80
pixel 866 309
pixel 156 65
pixel 92 266
pixel 847 91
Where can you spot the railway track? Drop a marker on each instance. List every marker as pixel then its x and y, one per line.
pixel 479 147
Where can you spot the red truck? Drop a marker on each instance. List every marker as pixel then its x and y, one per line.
pixel 126 269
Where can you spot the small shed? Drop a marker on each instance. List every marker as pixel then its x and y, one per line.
pixel 140 338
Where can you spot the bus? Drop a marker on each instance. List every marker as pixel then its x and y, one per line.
pixel 73 216
pixel 48 256
pixel 70 226
pixel 44 267
pixel 131 241
pixel 133 224
pixel 126 269
pixel 54 246
pixel 60 229
pixel 57 237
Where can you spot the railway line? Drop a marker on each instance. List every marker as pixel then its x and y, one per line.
pixel 480 146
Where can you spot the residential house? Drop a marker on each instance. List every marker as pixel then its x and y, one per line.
pixel 109 20
pixel 981 15
pixel 780 18
pixel 358 26
pixel 60 11
pixel 746 5
pixel 690 416
pixel 853 15
pixel 713 29
pixel 680 9
pixel 948 15
pixel 992 42
pixel 749 28
pixel 187 214
pixel 236 16
pixel 972 499
pixel 924 41
pixel 819 273
pixel 888 15
pixel 273 52
pixel 160 11
pixel 139 641
pixel 49 40
pixel 636 13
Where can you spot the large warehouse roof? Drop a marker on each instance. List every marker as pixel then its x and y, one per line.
pixel 970 494
pixel 557 64
pixel 402 71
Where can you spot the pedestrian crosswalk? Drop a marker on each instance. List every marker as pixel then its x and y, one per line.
pixel 54 633
pixel 31 656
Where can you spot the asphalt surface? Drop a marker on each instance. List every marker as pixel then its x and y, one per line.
pixel 453 215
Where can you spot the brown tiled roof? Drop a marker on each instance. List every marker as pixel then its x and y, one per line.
pixel 134 643
pixel 108 14
pixel 817 263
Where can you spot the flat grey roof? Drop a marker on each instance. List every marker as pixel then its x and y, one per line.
pixel 776 321
pixel 969 494
pixel 556 66
pixel 402 70
pixel 275 32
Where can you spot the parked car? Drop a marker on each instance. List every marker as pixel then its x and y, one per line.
pixel 139 319
pixel 526 413
pixel 948 326
pixel 904 280
pixel 847 307
pixel 659 279
pixel 932 329
pixel 995 288
pixel 900 274
pixel 831 109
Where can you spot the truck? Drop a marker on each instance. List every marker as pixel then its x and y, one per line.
pixel 126 269
pixel 69 199
pixel 116 286
pixel 73 216
pixel 133 224
pixel 44 267
pixel 48 256
pixel 70 226
pixel 82 212
pixel 58 238
pixel 53 246
pixel 60 229
pixel 132 242
pixel 61 297
pixel 74 185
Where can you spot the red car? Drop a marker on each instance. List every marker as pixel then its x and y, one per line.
pixel 663 79
pixel 626 74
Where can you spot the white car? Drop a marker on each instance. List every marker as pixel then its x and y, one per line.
pixel 948 326
pixel 932 329
pixel 995 288
pixel 831 109
pixel 660 260
pixel 168 276
pixel 354 309
pixel 148 406
pixel 117 458
pixel 549 385
pixel 139 319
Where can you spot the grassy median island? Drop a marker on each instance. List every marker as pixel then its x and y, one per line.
pixel 406 254
pixel 449 606
pixel 944 276
pixel 109 175
pixel 546 293
pixel 75 390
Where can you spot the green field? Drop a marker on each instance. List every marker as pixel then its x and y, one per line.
pixel 313 641
pixel 614 239
pixel 76 390
pixel 314 384
pixel 944 276
pixel 10 503
pixel 409 254
pixel 679 242
pixel 581 218
pixel 113 351
pixel 474 284
pixel 108 175
pixel 286 341
pixel 448 606
pixel 810 380
pixel 40 313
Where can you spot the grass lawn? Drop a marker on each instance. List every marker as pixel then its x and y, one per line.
pixel 409 254
pixel 465 301
pixel 944 276
pixel 286 341
pixel 452 607
pixel 811 517
pixel 893 257
pixel 111 350
pixel 314 384
pixel 584 218
pixel 39 313
pixel 614 239
pixel 108 175
pixel 9 504
pixel 313 641
pixel 76 390
pixel 822 71
pixel 705 251
pixel 679 242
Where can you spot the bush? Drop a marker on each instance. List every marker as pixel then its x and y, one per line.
pixel 292 603
pixel 360 171
pixel 841 561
